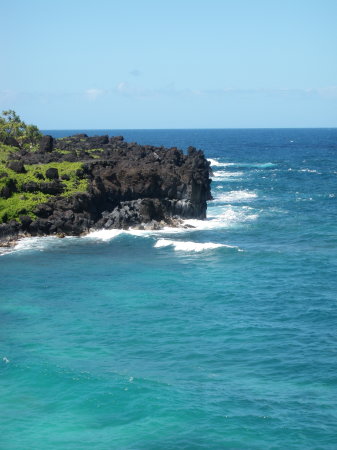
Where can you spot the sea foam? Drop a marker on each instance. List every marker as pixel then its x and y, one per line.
pixel 235 196
pixel 214 162
pixel 224 175
pixel 188 246
pixel 217 163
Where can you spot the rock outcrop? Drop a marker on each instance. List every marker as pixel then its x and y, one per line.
pixel 129 185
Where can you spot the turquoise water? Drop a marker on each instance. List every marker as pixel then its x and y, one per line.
pixel 221 336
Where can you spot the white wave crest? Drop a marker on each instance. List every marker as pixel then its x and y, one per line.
pixel 308 170
pixel 225 218
pixel 104 235
pixel 188 246
pixel 257 165
pixel 36 243
pixel 216 163
pixel 108 235
pixel 235 196
pixel 223 175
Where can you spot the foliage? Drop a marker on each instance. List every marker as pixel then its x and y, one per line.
pixel 23 203
pixel 20 204
pixel 11 126
pixel 5 151
pixel 95 153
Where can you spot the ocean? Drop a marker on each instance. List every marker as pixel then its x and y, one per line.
pixel 221 336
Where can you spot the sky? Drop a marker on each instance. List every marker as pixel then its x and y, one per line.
pixel 109 64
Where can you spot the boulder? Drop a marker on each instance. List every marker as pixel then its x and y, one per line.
pixel 52 173
pixel 31 186
pixel 16 166
pixel 53 188
pixel 25 222
pixel 46 144
pixel 9 188
pixel 10 140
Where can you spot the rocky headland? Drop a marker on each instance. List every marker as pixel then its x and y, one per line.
pixel 71 185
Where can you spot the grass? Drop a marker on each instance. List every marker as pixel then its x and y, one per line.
pixel 94 152
pixel 22 203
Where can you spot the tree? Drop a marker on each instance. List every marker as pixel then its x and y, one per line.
pixel 12 127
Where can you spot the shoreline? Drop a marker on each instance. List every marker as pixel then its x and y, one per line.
pixel 174 223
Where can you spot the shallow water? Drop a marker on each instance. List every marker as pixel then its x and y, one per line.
pixel 221 336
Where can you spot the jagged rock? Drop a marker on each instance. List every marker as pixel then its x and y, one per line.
pixel 9 140
pixel 5 192
pixel 128 185
pixel 132 213
pixel 53 188
pixel 25 222
pixel 9 230
pixel 43 210
pixel 31 186
pixel 46 144
pixel 39 176
pixel 52 173
pixel 16 166
pixel 8 189
pixel 39 227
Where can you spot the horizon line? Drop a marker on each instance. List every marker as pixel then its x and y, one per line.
pixel 183 129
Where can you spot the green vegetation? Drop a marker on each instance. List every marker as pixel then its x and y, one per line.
pixel 20 204
pixel 5 152
pixel 20 193
pixel 95 153
pixel 24 203
pixel 12 127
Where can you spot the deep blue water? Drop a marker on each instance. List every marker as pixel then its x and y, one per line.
pixel 223 336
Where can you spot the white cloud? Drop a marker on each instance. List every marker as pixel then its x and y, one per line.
pixel 93 94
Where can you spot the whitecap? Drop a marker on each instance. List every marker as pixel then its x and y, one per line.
pixel 308 170
pixel 188 246
pixel 223 175
pixel 235 196
pixel 216 163
pixel 256 165
pixel 219 218
pixel 38 243
pixel 103 235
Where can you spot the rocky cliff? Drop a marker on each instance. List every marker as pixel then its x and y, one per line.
pixel 121 185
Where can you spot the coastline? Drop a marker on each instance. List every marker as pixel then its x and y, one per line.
pixel 81 183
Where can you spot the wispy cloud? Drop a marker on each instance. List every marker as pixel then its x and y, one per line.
pixel 124 88
pixel 132 90
pixel 93 93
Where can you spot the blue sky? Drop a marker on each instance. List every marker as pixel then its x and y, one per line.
pixel 170 64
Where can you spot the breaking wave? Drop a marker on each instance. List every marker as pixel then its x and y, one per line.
pixel 223 175
pixel 234 196
pixel 188 246
pixel 214 162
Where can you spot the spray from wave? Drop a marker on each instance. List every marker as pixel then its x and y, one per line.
pixel 214 162
pixel 234 196
pixel 188 246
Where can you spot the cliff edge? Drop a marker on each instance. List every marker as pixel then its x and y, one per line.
pixel 68 186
